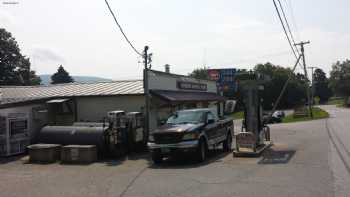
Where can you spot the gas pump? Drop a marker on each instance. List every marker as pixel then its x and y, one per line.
pixel 255 134
pixel 118 132
pixel 129 129
pixel 136 131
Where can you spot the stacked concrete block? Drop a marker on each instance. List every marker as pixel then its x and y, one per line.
pixel 44 153
pixel 79 154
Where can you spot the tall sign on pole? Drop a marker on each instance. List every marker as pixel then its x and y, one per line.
pixel 225 79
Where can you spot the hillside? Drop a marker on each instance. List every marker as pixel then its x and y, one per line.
pixel 45 79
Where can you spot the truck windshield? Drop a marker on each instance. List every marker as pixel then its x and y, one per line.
pixel 184 117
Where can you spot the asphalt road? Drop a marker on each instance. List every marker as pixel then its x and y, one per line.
pixel 305 161
pixel 338 127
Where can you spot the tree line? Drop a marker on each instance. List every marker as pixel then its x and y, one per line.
pixel 338 84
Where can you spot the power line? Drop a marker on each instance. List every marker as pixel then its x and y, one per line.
pixel 289 3
pixel 121 30
pixel 284 28
pixel 288 27
pixel 285 31
pixel 290 32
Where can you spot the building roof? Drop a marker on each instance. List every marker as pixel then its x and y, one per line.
pixel 16 94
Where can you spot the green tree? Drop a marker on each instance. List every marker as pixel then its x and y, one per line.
pixel 200 73
pixel 61 76
pixel 340 78
pixel 321 86
pixel 295 93
pixel 14 67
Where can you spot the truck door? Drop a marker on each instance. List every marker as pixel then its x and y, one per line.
pixel 211 127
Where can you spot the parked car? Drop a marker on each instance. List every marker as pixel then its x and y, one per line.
pixel 276 117
pixel 191 131
pixel 279 114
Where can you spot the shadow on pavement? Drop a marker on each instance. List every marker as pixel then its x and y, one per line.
pixel 120 160
pixel 188 161
pixel 271 156
pixel 9 159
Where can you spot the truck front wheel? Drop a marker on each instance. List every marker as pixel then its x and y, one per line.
pixel 201 152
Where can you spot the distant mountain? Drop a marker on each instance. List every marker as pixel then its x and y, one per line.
pixel 45 79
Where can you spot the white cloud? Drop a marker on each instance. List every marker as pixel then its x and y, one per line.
pixel 233 33
pixel 46 55
pixel 326 47
pixel 5 17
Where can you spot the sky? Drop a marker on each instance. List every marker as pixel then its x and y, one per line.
pixel 82 36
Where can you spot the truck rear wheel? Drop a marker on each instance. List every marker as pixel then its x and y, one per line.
pixel 157 157
pixel 201 152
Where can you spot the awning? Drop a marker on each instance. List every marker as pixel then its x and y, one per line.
pixel 57 101
pixel 186 96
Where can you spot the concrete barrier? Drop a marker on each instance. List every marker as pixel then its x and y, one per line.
pixel 44 153
pixel 79 154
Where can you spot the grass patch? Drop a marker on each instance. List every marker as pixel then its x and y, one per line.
pixel 317 112
pixel 237 115
pixel 338 101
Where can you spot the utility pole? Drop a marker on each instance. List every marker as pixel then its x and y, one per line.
pixel 146 57
pixel 301 44
pixel 312 82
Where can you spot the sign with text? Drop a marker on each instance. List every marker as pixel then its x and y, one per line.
pixel 225 78
pixel 184 85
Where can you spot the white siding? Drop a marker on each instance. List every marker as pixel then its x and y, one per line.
pixel 34 125
pixel 95 108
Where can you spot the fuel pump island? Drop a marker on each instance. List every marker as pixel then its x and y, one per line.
pixel 254 136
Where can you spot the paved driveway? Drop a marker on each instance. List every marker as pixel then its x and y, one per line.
pixel 301 163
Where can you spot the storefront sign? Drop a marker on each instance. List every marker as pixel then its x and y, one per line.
pixel 191 86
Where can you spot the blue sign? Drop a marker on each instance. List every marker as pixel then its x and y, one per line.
pixel 225 78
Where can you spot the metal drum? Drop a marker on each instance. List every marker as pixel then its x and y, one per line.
pixel 78 135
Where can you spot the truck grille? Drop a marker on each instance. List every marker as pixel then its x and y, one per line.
pixel 167 138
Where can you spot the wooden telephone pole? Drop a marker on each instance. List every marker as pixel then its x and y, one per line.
pixel 146 61
pixel 301 44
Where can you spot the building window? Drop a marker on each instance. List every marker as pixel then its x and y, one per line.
pixel 18 126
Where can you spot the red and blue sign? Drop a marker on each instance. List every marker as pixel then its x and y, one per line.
pixel 225 78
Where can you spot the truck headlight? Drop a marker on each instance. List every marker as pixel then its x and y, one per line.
pixel 151 138
pixel 190 136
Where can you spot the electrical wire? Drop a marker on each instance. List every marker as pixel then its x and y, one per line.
pixel 283 90
pixel 285 31
pixel 121 30
pixel 289 3
pixel 288 27
pixel 298 57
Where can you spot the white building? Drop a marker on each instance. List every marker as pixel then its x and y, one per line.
pixel 64 104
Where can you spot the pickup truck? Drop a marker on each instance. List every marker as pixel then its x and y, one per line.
pixel 191 131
